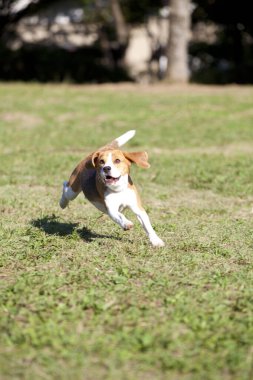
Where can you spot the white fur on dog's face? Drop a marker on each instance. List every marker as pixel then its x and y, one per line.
pixel 113 169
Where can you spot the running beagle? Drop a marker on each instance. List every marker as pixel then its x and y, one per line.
pixel 104 178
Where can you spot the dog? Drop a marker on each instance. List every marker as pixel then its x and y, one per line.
pixel 104 178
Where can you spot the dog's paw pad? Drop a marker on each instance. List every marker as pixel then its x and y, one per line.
pixel 128 226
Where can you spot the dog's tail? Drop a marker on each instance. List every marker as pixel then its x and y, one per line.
pixel 121 140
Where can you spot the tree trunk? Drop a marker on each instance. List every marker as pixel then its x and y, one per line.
pixel 179 30
pixel 120 24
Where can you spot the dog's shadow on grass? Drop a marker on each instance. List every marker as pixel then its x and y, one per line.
pixel 52 226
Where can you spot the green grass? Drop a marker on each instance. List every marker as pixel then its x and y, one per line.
pixel 81 299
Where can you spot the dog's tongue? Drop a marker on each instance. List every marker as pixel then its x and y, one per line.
pixel 110 179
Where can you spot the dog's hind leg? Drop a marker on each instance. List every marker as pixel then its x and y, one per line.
pixel 72 187
pixel 67 194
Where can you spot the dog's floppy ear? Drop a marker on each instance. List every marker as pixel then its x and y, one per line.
pixel 139 158
pixel 94 158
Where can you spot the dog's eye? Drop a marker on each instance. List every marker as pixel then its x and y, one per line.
pixel 101 162
pixel 117 161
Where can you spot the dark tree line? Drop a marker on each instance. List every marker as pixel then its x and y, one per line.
pixel 227 59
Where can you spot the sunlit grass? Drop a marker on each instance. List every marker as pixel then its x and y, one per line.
pixel 82 299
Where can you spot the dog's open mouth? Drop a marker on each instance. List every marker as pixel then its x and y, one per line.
pixel 109 179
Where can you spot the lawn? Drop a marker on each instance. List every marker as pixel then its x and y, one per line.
pixel 83 300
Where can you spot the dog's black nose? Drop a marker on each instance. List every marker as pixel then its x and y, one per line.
pixel 106 169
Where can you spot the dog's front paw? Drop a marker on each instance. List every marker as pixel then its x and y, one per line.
pixel 128 225
pixel 156 242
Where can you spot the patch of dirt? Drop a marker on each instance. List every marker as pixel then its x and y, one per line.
pixel 226 150
pixel 24 120
pixel 169 88
pixel 196 200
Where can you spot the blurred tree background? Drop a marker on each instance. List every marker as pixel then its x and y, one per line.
pixel 206 41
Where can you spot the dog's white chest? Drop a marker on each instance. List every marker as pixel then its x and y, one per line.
pixel 121 199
